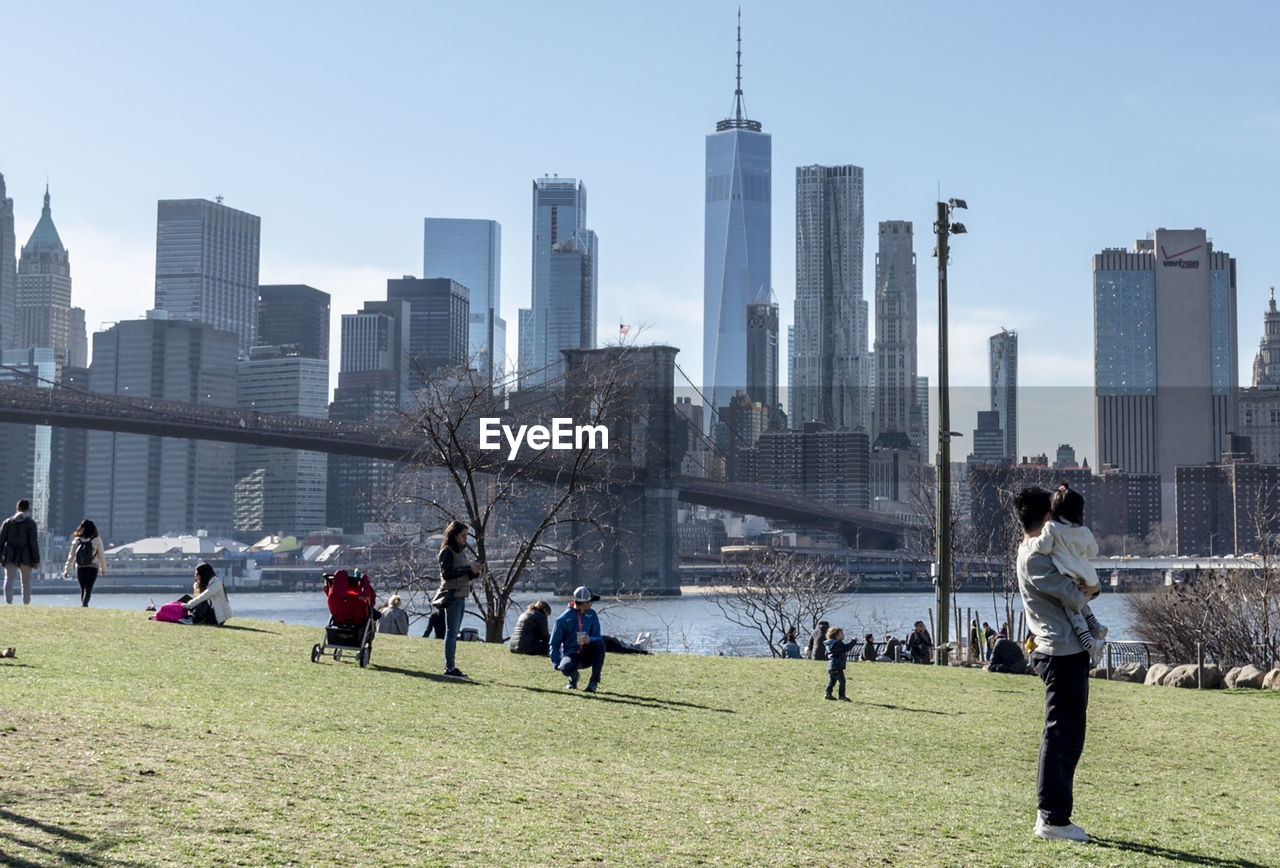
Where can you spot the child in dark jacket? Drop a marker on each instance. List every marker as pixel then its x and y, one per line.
pixel 837 655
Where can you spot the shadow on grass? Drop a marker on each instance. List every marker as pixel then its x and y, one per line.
pixel 63 856
pixel 1180 856
pixel 246 629
pixel 418 673
pixel 915 710
pixel 625 698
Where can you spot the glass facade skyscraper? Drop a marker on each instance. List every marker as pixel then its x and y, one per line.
pixel 294 315
pixel 1003 351
pixel 736 237
pixel 896 331
pixel 470 252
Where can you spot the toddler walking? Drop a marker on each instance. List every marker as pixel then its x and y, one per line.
pixel 837 655
pixel 1070 544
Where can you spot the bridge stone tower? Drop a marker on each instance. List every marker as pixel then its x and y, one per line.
pixel 639 551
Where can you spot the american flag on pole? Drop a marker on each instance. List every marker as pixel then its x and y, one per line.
pixel 623 328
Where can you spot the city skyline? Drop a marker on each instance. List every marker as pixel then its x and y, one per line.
pixel 1068 78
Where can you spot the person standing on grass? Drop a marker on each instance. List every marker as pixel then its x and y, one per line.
pixel 837 655
pixel 19 551
pixel 457 575
pixel 920 644
pixel 576 640
pixel 88 558
pixel 1062 664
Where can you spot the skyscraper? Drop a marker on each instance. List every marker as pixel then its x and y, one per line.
pixel 1260 404
pixel 1004 387
pixel 896 322
pixel 565 262
pixel 736 239
pixel 831 378
pixel 9 323
pixel 438 313
pixel 44 288
pixel 762 358
pixel 470 252
pixel 77 339
pixel 26 450
pixel 207 266
pixel 142 485
pixel 1165 345
pixel 294 315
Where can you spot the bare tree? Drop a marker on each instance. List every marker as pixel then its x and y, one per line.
pixel 773 593
pixel 526 506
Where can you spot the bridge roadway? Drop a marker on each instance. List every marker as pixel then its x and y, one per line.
pixel 68 408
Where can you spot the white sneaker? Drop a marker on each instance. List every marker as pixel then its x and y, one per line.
pixel 1069 832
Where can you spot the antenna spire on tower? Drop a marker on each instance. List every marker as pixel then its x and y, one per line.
pixel 739 121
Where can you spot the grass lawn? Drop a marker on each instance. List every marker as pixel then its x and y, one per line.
pixel 129 742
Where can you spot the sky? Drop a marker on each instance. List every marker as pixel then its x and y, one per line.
pixel 1066 127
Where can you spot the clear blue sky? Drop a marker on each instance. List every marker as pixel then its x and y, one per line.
pixel 1067 127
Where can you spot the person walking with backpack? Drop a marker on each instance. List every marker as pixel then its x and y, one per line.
pixel 88 557
pixel 19 551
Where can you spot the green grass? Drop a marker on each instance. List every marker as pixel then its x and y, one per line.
pixel 128 742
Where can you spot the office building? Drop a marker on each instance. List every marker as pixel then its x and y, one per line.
pixel 524 347
pixel 207 266
pixel 1003 353
pixel 26 450
pixel 438 314
pixel 78 339
pixel 358 487
pixel 565 262
pixel 148 486
pixel 294 315
pixel 280 491
pixel 1066 457
pixel 762 359
pixel 831 380
pixel 736 239
pixel 896 331
pixel 68 472
pixel 9 323
pixel 1260 403
pixel 44 288
pixel 470 252
pixel 1165 378
pixel 988 440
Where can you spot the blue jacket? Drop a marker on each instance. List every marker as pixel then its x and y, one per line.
pixel 566 630
pixel 838 654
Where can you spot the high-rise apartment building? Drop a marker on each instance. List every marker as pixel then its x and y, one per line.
pixel 438 313
pixel 470 252
pixel 44 288
pixel 1003 353
pixel 142 485
pixel 736 237
pixel 9 323
pixel 280 491
pixel 831 378
pixel 294 315
pixel 1165 378
pixel 565 262
pixel 1260 404
pixel 896 325
pixel 207 266
pixel 831 466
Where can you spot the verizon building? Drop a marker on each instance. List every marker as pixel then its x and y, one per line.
pixel 1165 379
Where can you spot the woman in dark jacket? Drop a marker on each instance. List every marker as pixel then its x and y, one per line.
pixel 456 577
pixel 533 633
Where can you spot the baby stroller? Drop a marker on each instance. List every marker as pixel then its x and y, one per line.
pixel 352 618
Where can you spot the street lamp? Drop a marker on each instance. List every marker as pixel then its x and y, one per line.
pixel 944 229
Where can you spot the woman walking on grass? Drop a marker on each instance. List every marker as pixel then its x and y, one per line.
pixel 88 558
pixel 456 577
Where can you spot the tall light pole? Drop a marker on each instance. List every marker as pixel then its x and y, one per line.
pixel 944 229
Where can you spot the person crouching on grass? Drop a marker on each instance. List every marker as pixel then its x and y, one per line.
pixel 576 640
pixel 837 656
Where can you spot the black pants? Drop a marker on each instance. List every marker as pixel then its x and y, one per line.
pixel 203 614
pixel 834 678
pixel 1066 701
pixel 86 576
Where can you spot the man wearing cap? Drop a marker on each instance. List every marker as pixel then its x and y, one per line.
pixel 576 640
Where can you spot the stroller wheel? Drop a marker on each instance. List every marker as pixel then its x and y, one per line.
pixel 337 655
pixel 315 653
pixel 363 657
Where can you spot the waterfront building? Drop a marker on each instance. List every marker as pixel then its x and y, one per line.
pixel 1003 352
pixel 470 252
pixel 294 315
pixel 44 288
pixel 831 380
pixel 9 322
pixel 280 491
pixel 736 244
pixel 142 485
pixel 207 266
pixel 1165 377
pixel 896 330
pixel 438 314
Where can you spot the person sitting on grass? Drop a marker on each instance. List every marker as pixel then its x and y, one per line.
pixel 394 620
pixel 210 604
pixel 532 635
pixel 1006 657
pixel 576 640
pixel 791 649
pixel 868 649
pixel 837 654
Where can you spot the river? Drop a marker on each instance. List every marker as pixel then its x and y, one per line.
pixel 691 624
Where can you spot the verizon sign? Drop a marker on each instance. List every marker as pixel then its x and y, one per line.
pixel 1175 260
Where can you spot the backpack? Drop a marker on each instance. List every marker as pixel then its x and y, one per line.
pixel 84 552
